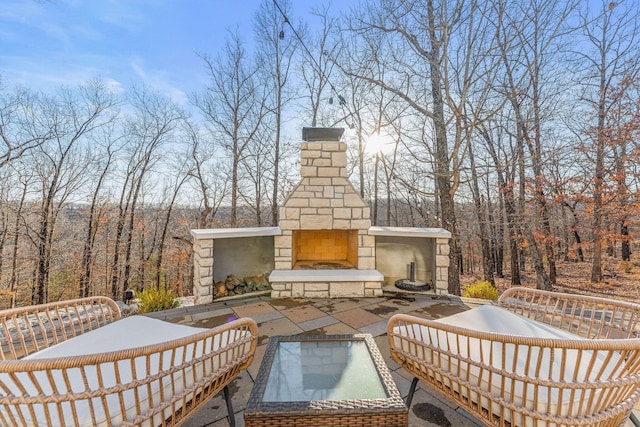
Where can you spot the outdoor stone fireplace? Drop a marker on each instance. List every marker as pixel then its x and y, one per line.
pixel 324 245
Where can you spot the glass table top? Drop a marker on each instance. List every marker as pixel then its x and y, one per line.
pixel 323 370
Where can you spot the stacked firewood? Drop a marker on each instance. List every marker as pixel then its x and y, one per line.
pixel 236 286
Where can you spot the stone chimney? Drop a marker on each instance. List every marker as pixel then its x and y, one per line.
pixel 324 220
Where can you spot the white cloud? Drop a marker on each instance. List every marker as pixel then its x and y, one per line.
pixel 114 86
pixel 158 81
pixel 48 76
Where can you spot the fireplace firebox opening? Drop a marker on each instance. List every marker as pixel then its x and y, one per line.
pixel 325 249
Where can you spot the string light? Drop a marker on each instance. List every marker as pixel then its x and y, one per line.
pixel 341 101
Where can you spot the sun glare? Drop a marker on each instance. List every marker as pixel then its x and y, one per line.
pixel 375 144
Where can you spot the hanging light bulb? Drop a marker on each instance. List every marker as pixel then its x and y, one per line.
pixel 281 35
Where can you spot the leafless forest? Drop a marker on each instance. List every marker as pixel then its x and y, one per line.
pixel 513 124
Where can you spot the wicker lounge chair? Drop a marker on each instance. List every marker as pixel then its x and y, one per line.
pixel 539 358
pixel 76 363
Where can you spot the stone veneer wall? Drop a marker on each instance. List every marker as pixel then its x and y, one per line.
pixel 202 270
pixel 441 280
pixel 324 200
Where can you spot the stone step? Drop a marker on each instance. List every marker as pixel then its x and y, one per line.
pixel 336 275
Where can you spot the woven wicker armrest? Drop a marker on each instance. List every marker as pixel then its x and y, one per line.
pixel 145 385
pixel 587 316
pixel 520 380
pixel 27 330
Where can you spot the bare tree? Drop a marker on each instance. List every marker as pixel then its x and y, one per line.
pixel 254 195
pixel 173 189
pixel 105 159
pixel 19 223
pixel 4 224
pixel 75 115
pixel 528 35
pixel 609 54
pixel 208 173
pixel 21 127
pixel 316 67
pixel 233 105
pixel 275 54
pixel 505 172
pixel 481 214
pixel 156 117
pixel 419 40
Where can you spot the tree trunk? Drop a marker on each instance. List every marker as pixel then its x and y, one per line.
pixel 596 266
pixel 234 182
pixel 535 147
pixel 375 190
pixel 43 263
pixel 443 175
pixel 115 268
pixel 487 264
pixel 165 228
pixel 625 246
pixel 578 241
pixel 542 279
pixel 497 234
pixel 4 229
pixel 16 241
pixel 89 242
pixel 508 198
pixel 276 161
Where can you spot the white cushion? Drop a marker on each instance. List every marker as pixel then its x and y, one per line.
pixel 549 365
pixel 128 333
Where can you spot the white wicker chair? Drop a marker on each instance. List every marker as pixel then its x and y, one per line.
pixel 585 370
pixel 103 376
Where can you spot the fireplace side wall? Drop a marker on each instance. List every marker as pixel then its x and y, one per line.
pixel 442 266
pixel 431 255
pixel 220 252
pixel 203 270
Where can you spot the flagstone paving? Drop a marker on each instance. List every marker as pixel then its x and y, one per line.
pixel 325 317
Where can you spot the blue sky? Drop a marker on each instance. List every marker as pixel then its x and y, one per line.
pixel 45 44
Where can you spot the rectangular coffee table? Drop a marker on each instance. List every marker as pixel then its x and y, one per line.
pixel 332 380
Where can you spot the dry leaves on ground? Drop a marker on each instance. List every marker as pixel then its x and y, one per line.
pixel 621 279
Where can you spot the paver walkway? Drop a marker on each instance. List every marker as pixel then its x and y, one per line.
pixel 324 317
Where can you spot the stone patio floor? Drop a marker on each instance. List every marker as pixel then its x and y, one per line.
pixel 325 317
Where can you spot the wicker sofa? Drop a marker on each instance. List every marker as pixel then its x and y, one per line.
pixel 538 358
pixel 78 363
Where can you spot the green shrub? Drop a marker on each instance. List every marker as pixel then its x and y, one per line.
pixel 482 289
pixel 156 300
